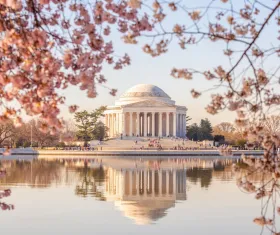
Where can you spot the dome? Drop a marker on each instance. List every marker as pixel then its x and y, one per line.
pixel 145 90
pixel 145 211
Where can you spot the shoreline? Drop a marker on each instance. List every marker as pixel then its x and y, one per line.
pixel 169 153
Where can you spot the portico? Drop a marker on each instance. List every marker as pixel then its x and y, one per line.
pixel 145 110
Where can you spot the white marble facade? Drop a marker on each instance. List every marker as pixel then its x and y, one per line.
pixel 145 110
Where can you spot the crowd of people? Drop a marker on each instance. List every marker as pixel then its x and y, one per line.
pixel 80 148
pixel 152 143
pixel 160 144
pixel 156 144
pixel 180 147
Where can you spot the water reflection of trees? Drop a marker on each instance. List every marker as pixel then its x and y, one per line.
pixel 36 173
pixel 4 192
pixel 90 182
pixel 221 170
pixel 108 180
pixel 42 173
pixel 261 177
pixel 204 176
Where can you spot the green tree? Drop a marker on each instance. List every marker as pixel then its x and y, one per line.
pixel 205 130
pixel 100 131
pixel 188 118
pixel 201 132
pixel 87 122
pixel 193 132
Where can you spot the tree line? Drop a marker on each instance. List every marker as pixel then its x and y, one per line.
pixel 200 132
pixel 228 133
pixel 85 127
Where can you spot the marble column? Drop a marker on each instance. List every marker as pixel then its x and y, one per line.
pixel 123 123
pixel 167 123
pixel 184 125
pixel 153 124
pixel 114 124
pixel 178 125
pixel 141 125
pixel 148 124
pixel 160 124
pixel 130 123
pixel 145 124
pixel 110 124
pixel 137 123
pixel 118 123
pixel 174 123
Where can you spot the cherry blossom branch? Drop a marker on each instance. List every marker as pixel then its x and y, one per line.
pixel 255 38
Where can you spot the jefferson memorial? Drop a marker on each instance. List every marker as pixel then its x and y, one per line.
pixel 145 110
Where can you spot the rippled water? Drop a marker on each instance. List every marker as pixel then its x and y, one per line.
pixel 126 196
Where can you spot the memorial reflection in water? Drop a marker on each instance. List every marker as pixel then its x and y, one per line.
pixel 145 195
pixel 143 189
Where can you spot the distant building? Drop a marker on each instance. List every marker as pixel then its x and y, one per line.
pixel 145 110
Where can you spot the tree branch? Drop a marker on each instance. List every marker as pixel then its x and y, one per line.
pixel 254 40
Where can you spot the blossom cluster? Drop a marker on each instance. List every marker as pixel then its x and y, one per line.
pixel 49 45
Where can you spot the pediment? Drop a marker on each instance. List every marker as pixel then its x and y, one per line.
pixel 149 103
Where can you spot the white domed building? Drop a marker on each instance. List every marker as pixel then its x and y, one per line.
pixel 145 110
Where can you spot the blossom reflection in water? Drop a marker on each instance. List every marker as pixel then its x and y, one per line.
pixel 5 193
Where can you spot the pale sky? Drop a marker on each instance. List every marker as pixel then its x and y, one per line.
pixel 145 69
pixel 156 71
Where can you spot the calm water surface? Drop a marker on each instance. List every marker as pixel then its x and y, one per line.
pixel 126 196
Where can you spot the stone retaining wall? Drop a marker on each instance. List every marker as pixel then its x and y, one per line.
pixel 146 153
pixel 29 151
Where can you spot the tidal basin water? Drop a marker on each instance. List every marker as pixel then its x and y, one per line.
pixel 126 196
